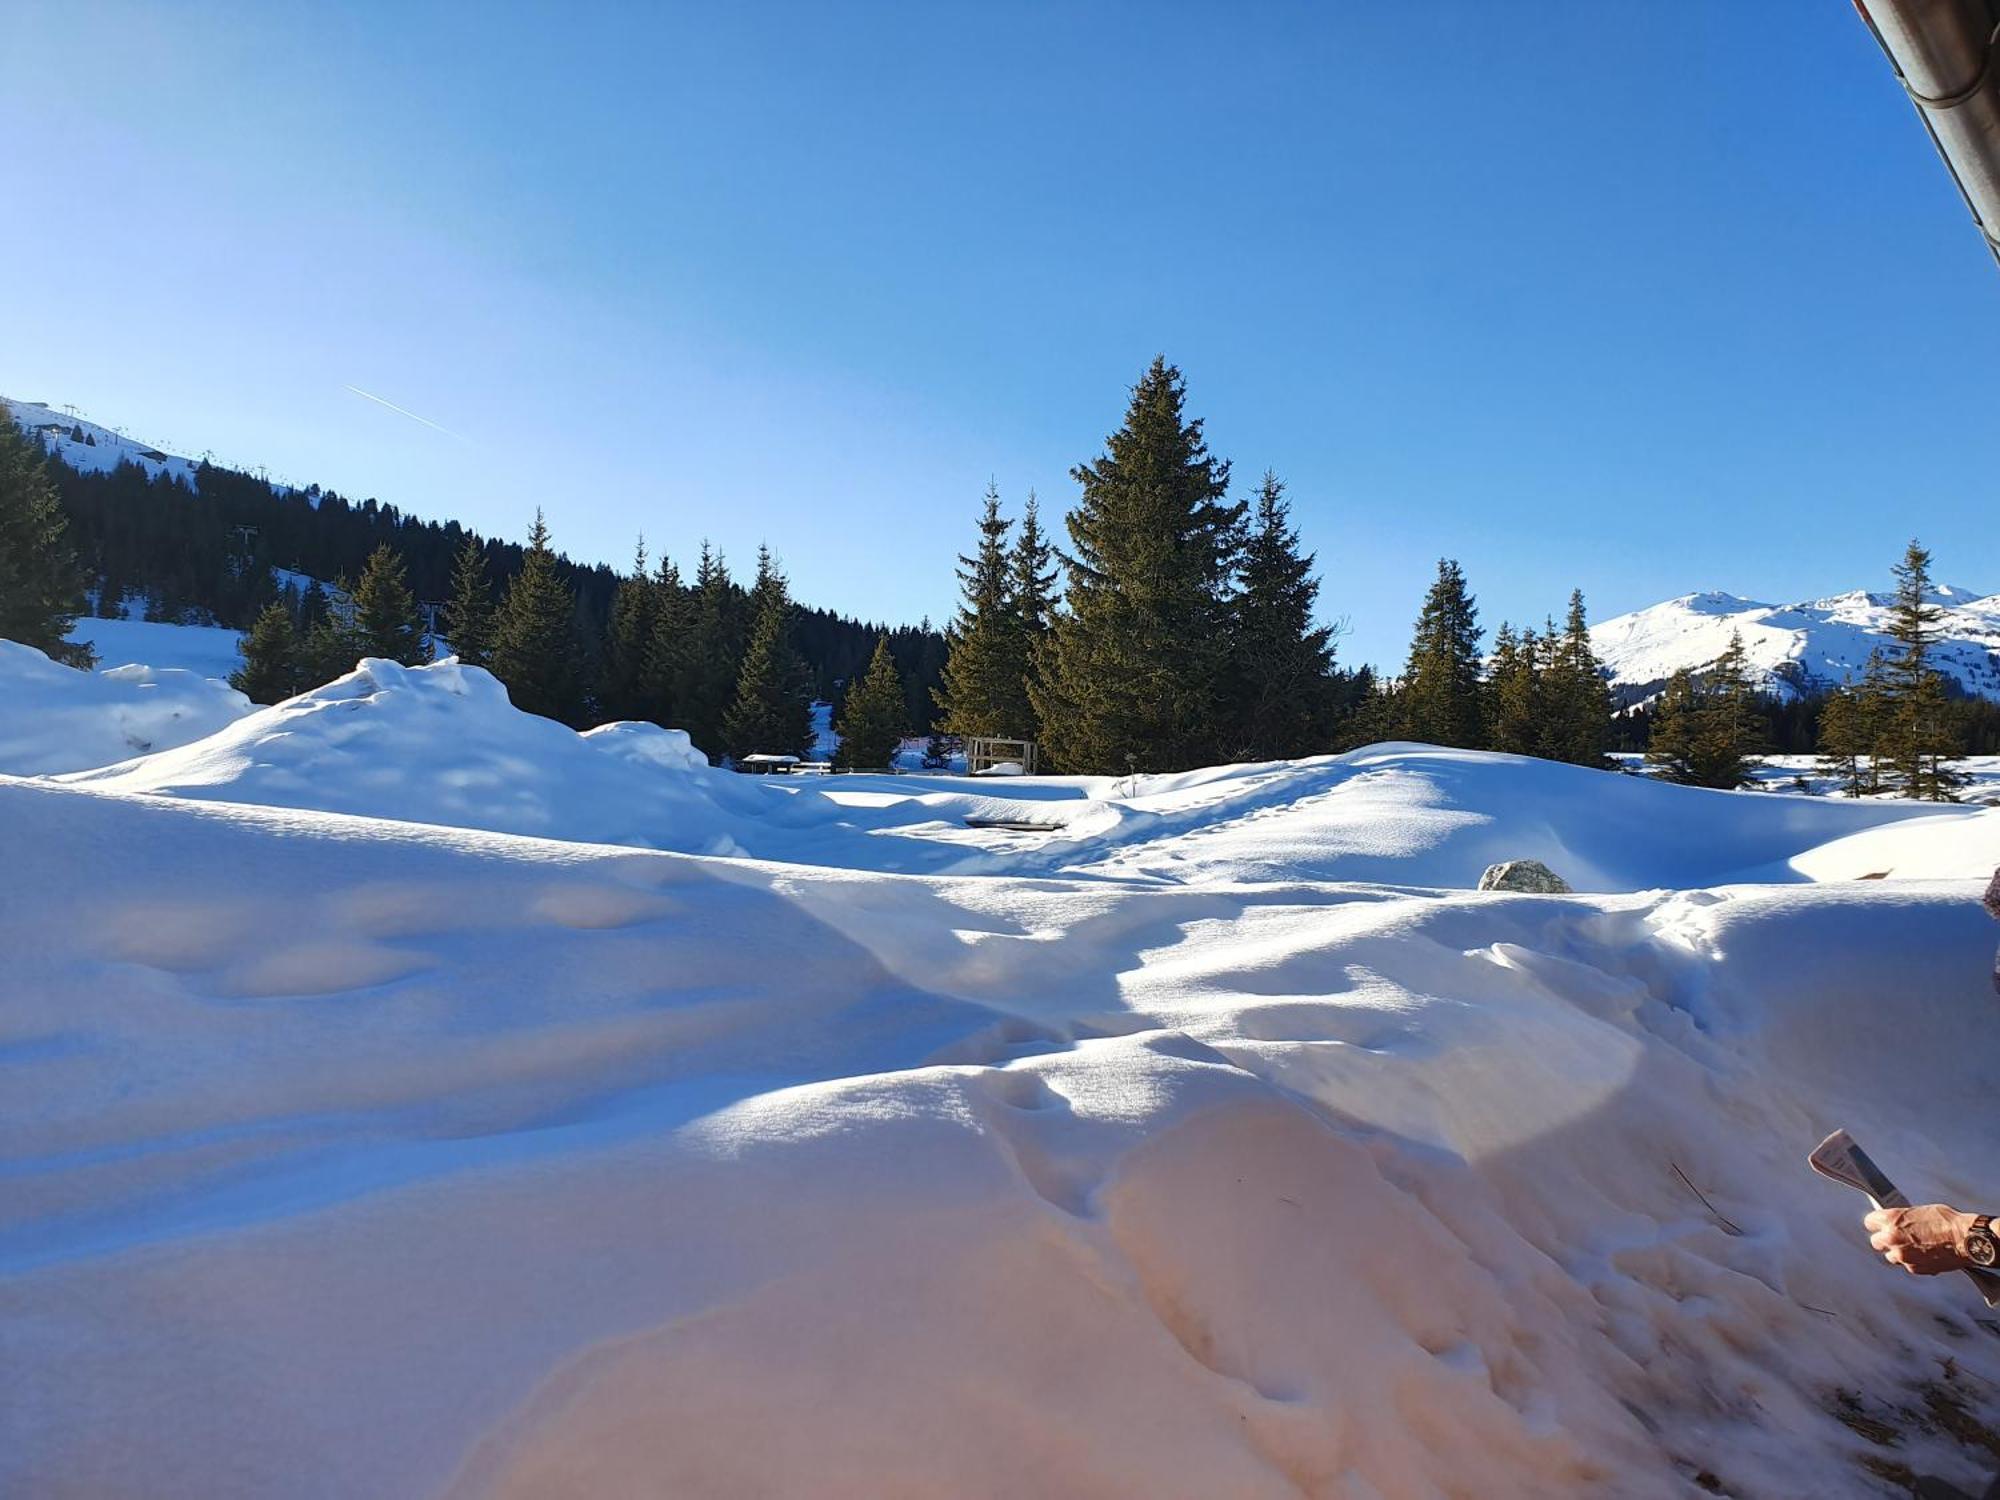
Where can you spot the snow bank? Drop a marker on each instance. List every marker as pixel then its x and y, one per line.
pixel 206 650
pixel 442 744
pixel 55 718
pixel 423 1160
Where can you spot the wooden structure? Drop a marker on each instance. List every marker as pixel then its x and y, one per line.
pixel 986 755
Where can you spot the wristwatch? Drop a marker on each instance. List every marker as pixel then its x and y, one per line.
pixel 1981 1248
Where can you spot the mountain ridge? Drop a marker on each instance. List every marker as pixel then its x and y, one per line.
pixel 1795 650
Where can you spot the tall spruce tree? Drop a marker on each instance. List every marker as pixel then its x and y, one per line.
pixel 1442 692
pixel 1917 738
pixel 271 670
pixel 468 614
pixel 709 659
pixel 1284 661
pixel 985 682
pixel 1515 715
pixel 1034 579
pixel 1670 747
pixel 1133 673
pixel 1579 699
pixel 772 710
pixel 666 645
pixel 534 642
pixel 875 717
pixel 1844 746
pixel 1729 731
pixel 387 622
pixel 41 586
pixel 1706 730
pixel 628 637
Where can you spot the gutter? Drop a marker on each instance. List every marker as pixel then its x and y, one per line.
pixel 1946 54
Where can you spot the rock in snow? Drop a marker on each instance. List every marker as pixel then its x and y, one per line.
pixel 1219 1142
pixel 1529 875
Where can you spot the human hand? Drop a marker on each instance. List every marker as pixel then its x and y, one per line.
pixel 1923 1241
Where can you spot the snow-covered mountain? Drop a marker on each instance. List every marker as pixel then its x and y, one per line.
pixel 1794 649
pixel 89 448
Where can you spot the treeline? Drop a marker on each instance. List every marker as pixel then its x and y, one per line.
pixel 703 655
pixel 1187 630
pixel 216 553
pixel 1178 629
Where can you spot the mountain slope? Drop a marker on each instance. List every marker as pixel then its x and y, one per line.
pixel 91 449
pixel 1794 649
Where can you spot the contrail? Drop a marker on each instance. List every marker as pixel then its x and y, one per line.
pixel 371 396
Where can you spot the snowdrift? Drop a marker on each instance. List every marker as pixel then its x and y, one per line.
pixel 353 1157
pixel 55 718
pixel 441 744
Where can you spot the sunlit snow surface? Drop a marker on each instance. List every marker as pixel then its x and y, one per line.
pixel 747 1136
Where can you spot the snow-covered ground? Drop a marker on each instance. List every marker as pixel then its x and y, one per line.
pixel 56 718
pixel 205 650
pixel 750 1136
pixel 1801 773
pixel 1813 646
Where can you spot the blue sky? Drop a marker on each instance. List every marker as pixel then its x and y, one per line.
pixel 1634 297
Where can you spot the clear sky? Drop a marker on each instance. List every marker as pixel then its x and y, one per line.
pixel 1644 298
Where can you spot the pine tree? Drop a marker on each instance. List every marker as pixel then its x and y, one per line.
pixel 1284 662
pixel 1034 592
pixel 534 644
pixel 666 645
pixel 1513 686
pixel 1706 731
pixel 772 710
pixel 985 684
pixel 1671 746
pixel 1133 673
pixel 271 668
pixel 628 637
pixel 1917 739
pixel 1728 731
pixel 874 719
pixel 1579 702
pixel 387 622
pixel 41 586
pixel 707 658
pixel 468 617
pixel 1843 742
pixel 1441 685
pixel 313 607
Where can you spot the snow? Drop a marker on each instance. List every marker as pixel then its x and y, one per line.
pixel 382 1116
pixel 1814 645
pixel 106 451
pixel 57 718
pixel 205 650
pixel 1784 773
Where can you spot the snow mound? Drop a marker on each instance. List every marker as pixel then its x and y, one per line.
pixel 206 650
pixel 55 718
pixel 442 744
pixel 1418 816
pixel 564 1170
pixel 1794 648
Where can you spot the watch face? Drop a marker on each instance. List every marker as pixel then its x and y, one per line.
pixel 1981 1248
